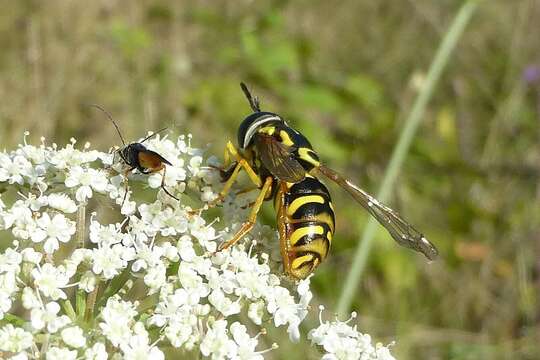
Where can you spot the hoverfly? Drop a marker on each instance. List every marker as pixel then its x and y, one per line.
pixel 136 156
pixel 281 162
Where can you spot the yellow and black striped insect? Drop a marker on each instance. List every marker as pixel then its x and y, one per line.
pixel 282 164
pixel 136 156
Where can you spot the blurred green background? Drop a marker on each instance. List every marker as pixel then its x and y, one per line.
pixel 345 74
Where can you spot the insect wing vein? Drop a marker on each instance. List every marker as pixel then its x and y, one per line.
pixel 279 159
pixel 400 230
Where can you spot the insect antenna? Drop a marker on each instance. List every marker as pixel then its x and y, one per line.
pixel 110 118
pixel 253 100
pixel 152 135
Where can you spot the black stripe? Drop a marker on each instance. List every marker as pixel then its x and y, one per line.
pixel 309 186
pixel 313 154
pixel 305 164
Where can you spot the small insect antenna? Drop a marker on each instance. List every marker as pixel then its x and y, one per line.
pixel 110 118
pixel 153 134
pixel 253 100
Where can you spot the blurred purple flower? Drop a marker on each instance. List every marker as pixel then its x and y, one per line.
pixel 531 75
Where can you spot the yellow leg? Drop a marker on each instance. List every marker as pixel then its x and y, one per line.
pixel 249 170
pixel 240 163
pixel 248 225
pixel 226 157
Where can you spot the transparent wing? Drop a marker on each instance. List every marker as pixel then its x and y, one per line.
pixel 400 230
pixel 279 159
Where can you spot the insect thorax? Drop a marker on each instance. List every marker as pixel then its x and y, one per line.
pixel 129 153
pixel 300 146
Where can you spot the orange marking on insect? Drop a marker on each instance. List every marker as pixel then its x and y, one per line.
pixel 150 161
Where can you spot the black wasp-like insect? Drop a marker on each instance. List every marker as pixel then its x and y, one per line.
pixel 281 162
pixel 136 156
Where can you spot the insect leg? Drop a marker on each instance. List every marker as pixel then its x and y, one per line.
pixel 122 157
pixel 126 185
pixel 249 170
pixel 240 163
pixel 248 225
pixel 282 221
pixel 163 185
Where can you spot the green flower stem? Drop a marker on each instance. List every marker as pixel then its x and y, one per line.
pixel 400 151
pixel 90 304
pixel 80 303
pixel 81 225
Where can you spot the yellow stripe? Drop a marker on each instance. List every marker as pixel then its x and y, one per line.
pixel 305 155
pixel 269 130
pixel 299 233
pixel 320 246
pixel 285 138
pixel 302 200
pixel 299 261
pixel 327 219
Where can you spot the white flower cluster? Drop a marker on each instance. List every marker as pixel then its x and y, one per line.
pixel 76 289
pixel 341 341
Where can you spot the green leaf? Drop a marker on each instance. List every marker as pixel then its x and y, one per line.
pixel 113 288
pixel 68 309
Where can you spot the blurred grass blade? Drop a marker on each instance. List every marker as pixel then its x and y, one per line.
pixel 400 151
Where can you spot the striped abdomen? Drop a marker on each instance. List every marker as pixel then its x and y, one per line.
pixel 306 224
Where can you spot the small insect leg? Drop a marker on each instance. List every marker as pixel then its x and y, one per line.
pixel 126 185
pixel 163 185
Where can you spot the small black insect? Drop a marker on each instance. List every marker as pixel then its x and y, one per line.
pixel 137 156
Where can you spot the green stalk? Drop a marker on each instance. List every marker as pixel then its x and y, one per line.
pixel 400 151
pixel 81 225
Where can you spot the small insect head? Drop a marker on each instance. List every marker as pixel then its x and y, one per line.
pixel 248 128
